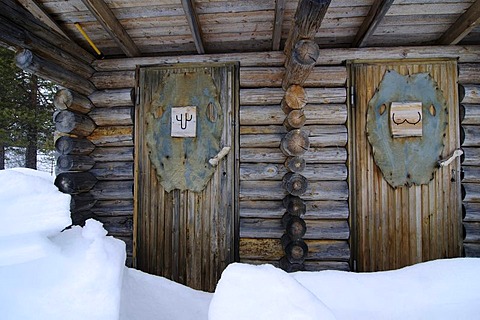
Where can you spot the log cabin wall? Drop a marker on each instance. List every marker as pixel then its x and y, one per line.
pixel 262 162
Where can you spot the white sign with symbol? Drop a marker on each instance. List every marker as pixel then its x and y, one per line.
pixel 184 121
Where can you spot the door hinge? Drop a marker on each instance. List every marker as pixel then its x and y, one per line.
pixel 352 97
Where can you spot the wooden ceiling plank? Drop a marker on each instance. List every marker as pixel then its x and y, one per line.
pixel 194 24
pixel 107 19
pixel 277 25
pixel 464 24
pixel 38 12
pixel 376 14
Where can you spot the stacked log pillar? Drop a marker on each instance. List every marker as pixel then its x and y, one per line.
pixel 294 145
pixel 73 126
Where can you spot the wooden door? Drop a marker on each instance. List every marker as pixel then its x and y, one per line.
pixel 396 227
pixel 186 231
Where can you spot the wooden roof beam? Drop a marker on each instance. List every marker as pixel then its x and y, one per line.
pixel 464 24
pixel 307 21
pixel 376 14
pixel 277 25
pixel 38 12
pixel 107 19
pixel 194 24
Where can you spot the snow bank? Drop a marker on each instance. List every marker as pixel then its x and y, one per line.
pixel 48 274
pixel 263 292
pixel 148 297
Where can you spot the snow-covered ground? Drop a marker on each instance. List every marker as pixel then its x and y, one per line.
pixel 49 272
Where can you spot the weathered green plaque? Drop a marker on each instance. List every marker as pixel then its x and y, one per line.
pixel 186 99
pixel 413 159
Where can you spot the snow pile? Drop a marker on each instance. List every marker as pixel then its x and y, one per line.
pixel 31 208
pixel 263 292
pixel 74 274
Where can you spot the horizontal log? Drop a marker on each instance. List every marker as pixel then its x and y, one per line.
pixel 327 209
pixel 273 190
pixel 28 61
pixel 472 212
pixel 472 114
pixel 112 154
pixel 113 190
pixel 69 100
pixel 71 145
pixel 309 265
pixel 79 217
pixel 471 174
pixel 472 230
pixel 321 76
pixel 273 115
pixel 472 136
pixel 330 56
pixel 472 250
pixel 113 170
pixel 112 98
pixel 472 94
pixel 75 182
pixel 117 136
pixel 70 162
pixel 273 171
pixel 122 116
pixel 117 226
pixel 468 73
pixel 274 96
pixel 67 121
pixel 274 155
pixel 114 80
pixel 472 192
pixel 272 228
pixel 113 208
pixel 81 202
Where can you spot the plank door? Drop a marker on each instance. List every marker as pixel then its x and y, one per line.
pixel 396 227
pixel 186 236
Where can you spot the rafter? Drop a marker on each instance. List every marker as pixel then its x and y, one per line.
pixel 277 25
pixel 107 19
pixel 376 14
pixel 464 24
pixel 193 23
pixel 38 12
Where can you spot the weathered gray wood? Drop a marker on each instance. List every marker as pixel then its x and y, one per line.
pixel 472 114
pixel 82 202
pixel 71 145
pixel 295 143
pixel 73 123
pixel 272 190
pixel 472 231
pixel 294 205
pixel 472 249
pixel 314 113
pixel 69 100
pixel 113 190
pixel 472 192
pixel 468 73
pixel 313 155
pixel 464 24
pixel 113 98
pixel 472 136
pixel 121 116
pixel 295 164
pixel 308 18
pixel 472 94
pixel 472 212
pixel 295 227
pixel 114 79
pixel 40 13
pixel 277 24
pixel 328 209
pixel 30 62
pixel 113 170
pixel 113 208
pixel 301 63
pixel 117 226
pixel 108 20
pixel 194 24
pixel 294 183
pixel 75 182
pixel 112 154
pixel 377 12
pixel 273 96
pixel 115 136
pixel 68 162
pixel 272 228
pixel 274 171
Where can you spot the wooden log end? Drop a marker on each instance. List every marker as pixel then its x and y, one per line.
pixel 287 266
pixel 75 182
pixel 63 99
pixel 296 251
pixel 296 96
pixel 294 205
pixel 295 164
pixel 295 143
pixel 296 228
pixel 294 183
